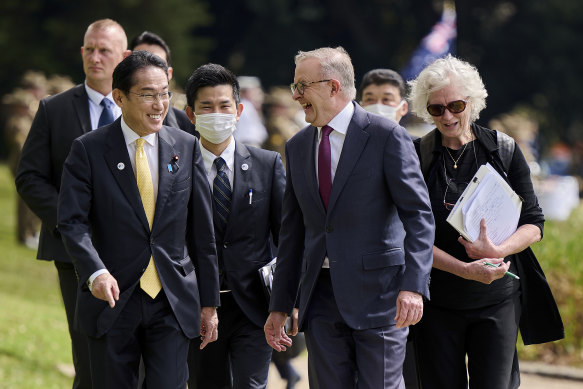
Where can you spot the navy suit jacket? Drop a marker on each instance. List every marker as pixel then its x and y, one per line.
pixel 246 245
pixel 103 224
pixel 378 232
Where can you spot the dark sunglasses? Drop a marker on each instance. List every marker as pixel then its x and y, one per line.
pixel 456 106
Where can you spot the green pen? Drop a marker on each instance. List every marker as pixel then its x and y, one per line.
pixel 507 273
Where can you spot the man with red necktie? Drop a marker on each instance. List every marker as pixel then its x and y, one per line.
pixel 357 233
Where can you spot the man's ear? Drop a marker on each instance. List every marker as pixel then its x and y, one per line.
pixel 239 110
pixel 170 70
pixel 335 87
pixel 404 108
pixel 190 114
pixel 117 97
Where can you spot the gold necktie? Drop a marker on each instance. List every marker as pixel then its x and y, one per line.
pixel 150 282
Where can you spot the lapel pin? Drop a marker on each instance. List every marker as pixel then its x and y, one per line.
pixel 173 165
pixel 245 167
pixel 121 166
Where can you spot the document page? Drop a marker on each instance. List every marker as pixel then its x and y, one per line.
pixel 491 202
pixel 487 197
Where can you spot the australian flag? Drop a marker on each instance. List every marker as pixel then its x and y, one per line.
pixel 438 43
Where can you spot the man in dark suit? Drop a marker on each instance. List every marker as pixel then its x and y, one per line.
pixel 153 43
pixel 135 214
pixel 248 185
pixel 59 120
pixel 357 231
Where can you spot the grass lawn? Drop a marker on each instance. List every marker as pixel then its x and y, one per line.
pixel 34 338
pixel 33 332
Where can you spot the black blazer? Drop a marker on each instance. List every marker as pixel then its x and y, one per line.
pixel 59 120
pixel 246 245
pixel 177 118
pixel 103 224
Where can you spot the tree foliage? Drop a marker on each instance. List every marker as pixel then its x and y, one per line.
pixel 526 50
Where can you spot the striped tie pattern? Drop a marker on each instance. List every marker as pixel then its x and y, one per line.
pixel 149 282
pixel 221 195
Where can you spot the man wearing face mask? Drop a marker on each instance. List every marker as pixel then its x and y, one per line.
pixel 248 185
pixel 382 91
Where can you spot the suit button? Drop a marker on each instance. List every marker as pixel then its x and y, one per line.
pixel 329 229
pixel 225 244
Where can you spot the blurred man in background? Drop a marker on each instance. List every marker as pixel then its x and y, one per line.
pixel 154 44
pixel 250 128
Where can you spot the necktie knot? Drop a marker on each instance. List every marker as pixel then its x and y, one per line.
pixel 219 164
pixel 106 103
pixel 326 130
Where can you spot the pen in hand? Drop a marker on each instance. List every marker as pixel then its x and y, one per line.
pixel 509 274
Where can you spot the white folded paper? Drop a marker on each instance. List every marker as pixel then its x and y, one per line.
pixel 487 197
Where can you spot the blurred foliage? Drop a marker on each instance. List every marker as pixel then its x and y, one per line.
pixel 558 254
pixel 527 51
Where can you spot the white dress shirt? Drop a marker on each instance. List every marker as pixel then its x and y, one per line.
pixel 339 124
pixel 211 170
pixel 95 107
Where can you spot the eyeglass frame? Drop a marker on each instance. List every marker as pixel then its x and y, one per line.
pixel 449 206
pixel 302 89
pixel 152 97
pixel 447 106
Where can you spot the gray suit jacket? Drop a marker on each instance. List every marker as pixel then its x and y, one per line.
pixel 378 232
pixel 103 224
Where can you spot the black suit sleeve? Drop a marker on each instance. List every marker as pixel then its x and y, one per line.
pixel 35 180
pixel 74 206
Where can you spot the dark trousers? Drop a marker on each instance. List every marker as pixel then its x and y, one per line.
pixel 342 357
pixel 145 329
pixel 240 357
pixel 68 283
pixel 486 335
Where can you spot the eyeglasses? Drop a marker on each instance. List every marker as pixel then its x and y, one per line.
pixel 301 86
pixel 457 106
pixel 151 97
pixel 456 188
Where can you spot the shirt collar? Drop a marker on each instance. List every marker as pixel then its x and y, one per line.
pixel 96 97
pixel 341 121
pixel 228 155
pixel 130 136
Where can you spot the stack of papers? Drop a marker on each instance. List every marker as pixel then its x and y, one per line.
pixel 487 197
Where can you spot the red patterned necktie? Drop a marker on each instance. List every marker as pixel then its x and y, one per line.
pixel 324 169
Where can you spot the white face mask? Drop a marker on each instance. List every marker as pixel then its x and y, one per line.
pixel 385 110
pixel 216 127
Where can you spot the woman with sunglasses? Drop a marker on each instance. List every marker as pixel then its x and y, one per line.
pixel 475 309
